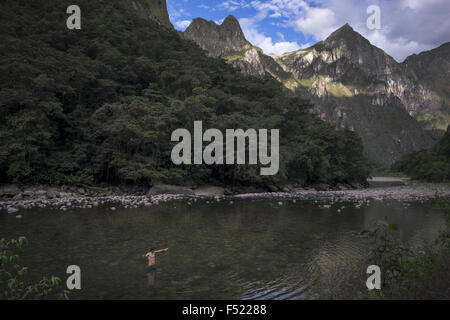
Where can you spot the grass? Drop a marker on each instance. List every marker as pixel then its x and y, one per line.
pixel 235 56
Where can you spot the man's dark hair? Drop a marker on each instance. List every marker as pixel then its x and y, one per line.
pixel 151 249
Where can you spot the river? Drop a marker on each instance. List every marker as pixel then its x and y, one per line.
pixel 230 249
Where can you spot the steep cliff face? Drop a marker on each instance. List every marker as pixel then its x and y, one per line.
pixel 357 85
pixel 347 64
pixel 228 41
pixel 352 83
pixel 432 71
pixel 152 9
pixel 218 40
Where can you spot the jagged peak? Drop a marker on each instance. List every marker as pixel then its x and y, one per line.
pixel 156 10
pixel 228 22
pixel 231 20
pixel 218 40
pixel 346 32
pixel 201 20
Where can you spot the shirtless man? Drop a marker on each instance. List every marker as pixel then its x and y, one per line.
pixel 151 255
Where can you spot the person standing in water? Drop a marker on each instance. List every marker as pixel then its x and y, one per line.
pixel 151 256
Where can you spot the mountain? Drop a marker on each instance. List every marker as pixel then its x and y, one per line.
pixel 228 41
pixel 155 10
pixel 355 85
pixel 99 105
pixel 432 70
pixel 218 40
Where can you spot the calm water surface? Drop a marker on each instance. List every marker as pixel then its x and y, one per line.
pixel 245 249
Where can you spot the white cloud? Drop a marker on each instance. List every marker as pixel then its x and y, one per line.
pixel 398 48
pixel 232 5
pixel 182 24
pixel 257 38
pixel 319 22
pixel 407 26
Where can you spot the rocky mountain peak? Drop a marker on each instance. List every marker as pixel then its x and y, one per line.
pixel 155 10
pixel 231 23
pixel 218 40
pixel 347 37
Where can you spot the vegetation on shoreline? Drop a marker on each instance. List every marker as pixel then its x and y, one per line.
pixel 422 274
pixel 98 105
pixel 13 282
pixel 429 165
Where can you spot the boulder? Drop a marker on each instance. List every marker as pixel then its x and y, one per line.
pixel 12 210
pixel 28 193
pixel 169 189
pixel 210 191
pixel 9 191
pixel 272 188
pixel 41 194
pixel 52 193
pixel 18 196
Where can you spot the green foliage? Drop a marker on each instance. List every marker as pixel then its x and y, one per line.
pixel 430 165
pixel 387 252
pixel 407 274
pixel 98 105
pixel 13 285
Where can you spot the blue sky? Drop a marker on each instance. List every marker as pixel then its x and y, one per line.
pixel 279 26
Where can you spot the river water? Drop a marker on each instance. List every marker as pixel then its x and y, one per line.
pixel 232 249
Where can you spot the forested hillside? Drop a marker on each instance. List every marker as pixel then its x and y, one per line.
pixel 98 105
pixel 431 165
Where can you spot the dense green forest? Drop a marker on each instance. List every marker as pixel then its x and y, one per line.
pixel 430 165
pixel 98 105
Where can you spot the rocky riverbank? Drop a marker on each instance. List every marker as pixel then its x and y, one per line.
pixel 15 199
pixel 15 193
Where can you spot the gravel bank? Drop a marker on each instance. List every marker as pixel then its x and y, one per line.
pixel 414 191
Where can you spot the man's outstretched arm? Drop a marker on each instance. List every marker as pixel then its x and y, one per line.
pixel 162 250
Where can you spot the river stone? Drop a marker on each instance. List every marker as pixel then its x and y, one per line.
pixel 18 196
pixel 28 193
pixel 210 191
pixel 52 193
pixel 272 188
pixel 65 194
pixel 9 191
pixel 41 193
pixel 12 210
pixel 169 189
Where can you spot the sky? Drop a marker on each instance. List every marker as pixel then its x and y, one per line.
pixel 280 26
